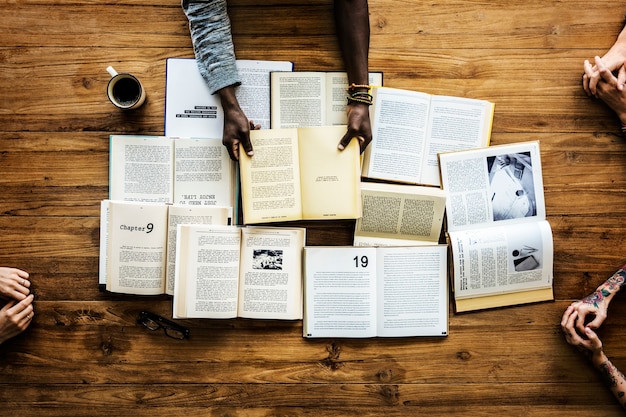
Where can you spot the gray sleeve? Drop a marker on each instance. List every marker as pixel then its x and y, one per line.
pixel 212 42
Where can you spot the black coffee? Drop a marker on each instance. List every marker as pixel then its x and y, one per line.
pixel 126 91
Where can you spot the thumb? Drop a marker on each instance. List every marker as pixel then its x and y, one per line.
pixel 246 144
pixel 621 77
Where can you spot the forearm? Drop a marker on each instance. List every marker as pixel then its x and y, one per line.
pixel 607 290
pixel 353 34
pixel 210 30
pixel 612 376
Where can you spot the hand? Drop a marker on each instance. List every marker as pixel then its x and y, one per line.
pixel 595 305
pixel 14 283
pixel 612 60
pixel 607 89
pixel 236 125
pixel 15 317
pixel 590 344
pixel 359 126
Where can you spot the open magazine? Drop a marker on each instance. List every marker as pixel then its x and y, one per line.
pixel 500 241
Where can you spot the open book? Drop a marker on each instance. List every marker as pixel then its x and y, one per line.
pixel 194 172
pixel 306 98
pixel 228 272
pixel 192 111
pixel 375 292
pixel 501 242
pixel 299 174
pixel 138 243
pixel 399 215
pixel 410 128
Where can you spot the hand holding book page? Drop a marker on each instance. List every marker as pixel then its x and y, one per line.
pixel 501 242
pixel 299 174
pixel 307 99
pixel 192 111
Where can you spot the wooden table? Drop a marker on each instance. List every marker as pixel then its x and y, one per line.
pixel 84 353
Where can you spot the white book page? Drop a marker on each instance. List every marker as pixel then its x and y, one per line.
pixel 137 247
pixel 190 109
pixel 298 99
pixel 206 282
pixel 141 168
pixel 340 292
pixel 496 185
pixel 270 180
pixel 498 260
pixel 455 124
pixel 399 127
pixel 178 214
pixel 336 86
pixel 103 264
pixel 254 92
pixel 203 173
pixel 413 291
pixel 271 273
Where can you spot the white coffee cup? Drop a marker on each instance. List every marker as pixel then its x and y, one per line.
pixel 125 90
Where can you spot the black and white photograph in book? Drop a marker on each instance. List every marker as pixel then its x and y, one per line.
pixel 267 259
pixel 525 251
pixel 512 186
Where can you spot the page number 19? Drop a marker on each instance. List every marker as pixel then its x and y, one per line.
pixel 360 262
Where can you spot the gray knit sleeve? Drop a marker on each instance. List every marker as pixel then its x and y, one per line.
pixel 212 42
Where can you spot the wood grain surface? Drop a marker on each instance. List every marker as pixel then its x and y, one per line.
pixel 85 354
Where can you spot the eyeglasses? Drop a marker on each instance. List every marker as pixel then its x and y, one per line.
pixel 156 322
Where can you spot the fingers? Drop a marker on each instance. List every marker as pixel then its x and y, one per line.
pixel 14 283
pixel 621 78
pixel 593 338
pixel 25 312
pixel 606 74
pixel 590 79
pixel 247 145
pixel 566 316
pixel 233 150
pixel 253 126
pixel 345 141
pixel 20 313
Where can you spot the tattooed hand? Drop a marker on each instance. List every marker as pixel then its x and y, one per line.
pixel 592 310
pixel 586 341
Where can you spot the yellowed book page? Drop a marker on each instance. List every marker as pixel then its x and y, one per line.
pixel 137 239
pixel 270 283
pixel 270 180
pixel 504 300
pixel 408 214
pixel 330 178
pixel 206 284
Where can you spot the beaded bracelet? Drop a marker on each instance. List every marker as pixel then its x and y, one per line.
pixel 360 97
pixel 354 86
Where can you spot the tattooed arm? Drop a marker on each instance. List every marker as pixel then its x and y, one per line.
pixel 591 346
pixel 592 310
